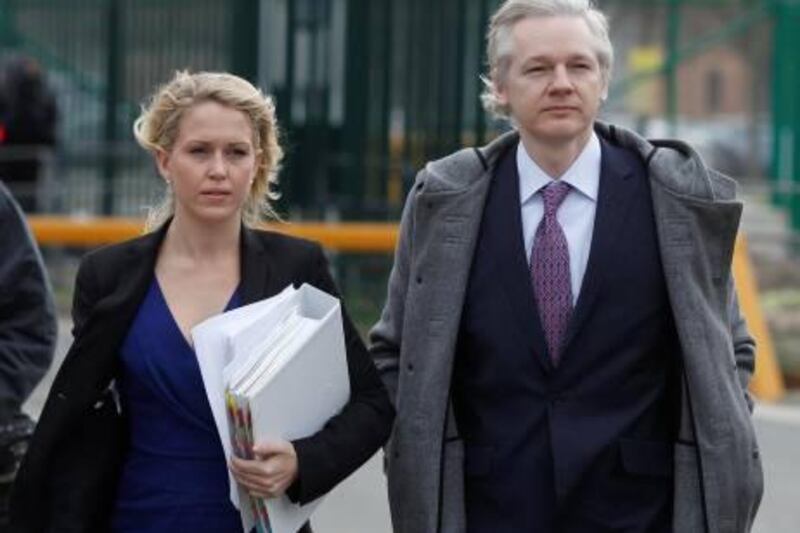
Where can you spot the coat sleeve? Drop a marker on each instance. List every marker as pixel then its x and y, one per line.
pixel 350 438
pixel 385 337
pixel 744 346
pixel 27 313
pixel 66 481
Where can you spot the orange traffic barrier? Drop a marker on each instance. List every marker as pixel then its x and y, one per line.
pixel 372 237
pixel 368 237
pixel 767 383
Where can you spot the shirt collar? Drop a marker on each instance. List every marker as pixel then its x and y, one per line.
pixel 583 175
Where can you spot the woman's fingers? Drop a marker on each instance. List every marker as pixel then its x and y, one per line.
pixel 256 467
pixel 270 473
pixel 270 447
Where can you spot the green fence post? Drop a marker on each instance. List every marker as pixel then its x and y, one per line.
pixel 785 108
pixel 357 82
pixel 789 63
pixel 671 71
pixel 114 70
pixel 244 38
pixel 8 33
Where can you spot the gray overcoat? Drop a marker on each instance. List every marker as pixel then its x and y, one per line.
pixel 718 475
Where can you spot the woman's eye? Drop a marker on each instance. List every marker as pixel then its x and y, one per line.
pixel 197 150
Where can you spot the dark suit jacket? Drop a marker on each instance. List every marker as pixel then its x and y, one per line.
pixel 68 478
pixel 585 445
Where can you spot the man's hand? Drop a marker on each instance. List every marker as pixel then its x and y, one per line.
pixel 270 472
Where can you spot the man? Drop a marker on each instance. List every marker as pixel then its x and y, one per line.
pixel 27 335
pixel 28 121
pixel 561 335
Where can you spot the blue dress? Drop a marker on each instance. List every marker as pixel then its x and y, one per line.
pixel 175 477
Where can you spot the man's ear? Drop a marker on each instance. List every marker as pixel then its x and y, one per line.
pixel 500 93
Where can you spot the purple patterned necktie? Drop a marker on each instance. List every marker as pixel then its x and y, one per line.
pixel 550 271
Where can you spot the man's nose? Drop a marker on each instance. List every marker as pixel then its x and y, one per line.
pixel 561 80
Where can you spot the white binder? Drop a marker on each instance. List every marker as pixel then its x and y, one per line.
pixel 284 357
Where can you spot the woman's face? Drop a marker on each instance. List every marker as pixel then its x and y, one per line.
pixel 212 163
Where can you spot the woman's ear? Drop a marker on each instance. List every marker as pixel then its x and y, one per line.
pixel 162 162
pixel 260 160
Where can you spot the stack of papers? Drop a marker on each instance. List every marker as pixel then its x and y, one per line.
pixel 273 369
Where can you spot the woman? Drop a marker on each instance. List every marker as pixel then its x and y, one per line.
pixel 126 441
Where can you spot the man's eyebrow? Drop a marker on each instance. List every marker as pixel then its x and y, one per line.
pixel 547 58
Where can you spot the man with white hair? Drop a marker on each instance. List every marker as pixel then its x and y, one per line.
pixel 561 336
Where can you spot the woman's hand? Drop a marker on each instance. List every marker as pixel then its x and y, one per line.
pixel 270 472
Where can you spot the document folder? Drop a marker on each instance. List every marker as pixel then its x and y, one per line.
pixel 274 369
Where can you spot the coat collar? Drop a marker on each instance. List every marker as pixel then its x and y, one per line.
pixel 614 200
pixel 617 189
pixel 143 252
pixel 671 164
pixel 254 268
pixel 115 311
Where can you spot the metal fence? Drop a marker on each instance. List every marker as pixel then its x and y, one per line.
pixel 339 70
pixel 368 90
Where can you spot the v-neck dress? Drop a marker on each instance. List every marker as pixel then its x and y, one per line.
pixel 174 477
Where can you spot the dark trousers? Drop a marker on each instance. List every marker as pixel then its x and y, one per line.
pixel 14 436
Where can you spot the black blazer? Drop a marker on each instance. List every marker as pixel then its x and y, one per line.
pixel 68 478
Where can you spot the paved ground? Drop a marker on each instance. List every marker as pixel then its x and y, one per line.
pixel 359 504
pixel 778 429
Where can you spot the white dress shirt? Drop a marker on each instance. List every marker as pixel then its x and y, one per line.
pixel 576 214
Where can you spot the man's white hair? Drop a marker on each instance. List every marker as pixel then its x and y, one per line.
pixel 512 12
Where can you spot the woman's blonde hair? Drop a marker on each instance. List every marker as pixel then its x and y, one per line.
pixel 157 127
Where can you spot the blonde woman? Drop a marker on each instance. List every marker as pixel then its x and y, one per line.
pixel 126 441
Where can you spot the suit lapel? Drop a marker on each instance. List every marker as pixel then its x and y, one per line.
pixel 110 319
pixel 613 203
pixel 254 266
pixel 113 314
pixel 503 236
pixel 139 271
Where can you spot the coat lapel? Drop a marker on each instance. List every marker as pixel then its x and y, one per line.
pixel 445 236
pixel 503 233
pixel 132 285
pixel 254 267
pixel 112 315
pixel 613 203
pixel 110 319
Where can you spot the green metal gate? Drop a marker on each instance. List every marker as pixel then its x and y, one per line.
pixel 367 90
pixel 102 58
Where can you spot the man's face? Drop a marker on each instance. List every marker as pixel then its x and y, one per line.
pixel 554 82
